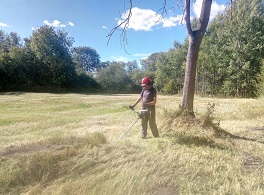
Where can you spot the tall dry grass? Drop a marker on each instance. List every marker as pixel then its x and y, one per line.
pixel 68 144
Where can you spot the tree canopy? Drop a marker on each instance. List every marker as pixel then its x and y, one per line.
pixel 86 57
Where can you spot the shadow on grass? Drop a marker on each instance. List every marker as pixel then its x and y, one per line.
pixel 16 93
pixel 190 140
pixel 201 140
pixel 187 139
pixel 198 131
pixel 219 132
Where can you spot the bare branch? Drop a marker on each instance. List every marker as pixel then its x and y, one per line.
pixel 204 16
pixel 123 26
pixel 187 17
pixel 162 9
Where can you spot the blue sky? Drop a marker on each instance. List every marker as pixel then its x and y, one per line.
pixel 90 21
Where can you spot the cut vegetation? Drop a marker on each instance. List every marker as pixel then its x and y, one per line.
pixel 68 144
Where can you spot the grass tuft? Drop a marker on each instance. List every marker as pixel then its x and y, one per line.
pixel 95 139
pixel 199 132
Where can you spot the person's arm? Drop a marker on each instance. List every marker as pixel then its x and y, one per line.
pixel 138 100
pixel 153 102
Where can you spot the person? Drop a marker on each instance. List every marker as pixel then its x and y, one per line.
pixel 148 97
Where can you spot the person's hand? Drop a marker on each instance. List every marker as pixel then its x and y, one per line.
pixel 131 107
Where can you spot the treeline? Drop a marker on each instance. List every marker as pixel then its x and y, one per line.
pixel 47 61
pixel 231 58
pixel 44 62
pixel 231 61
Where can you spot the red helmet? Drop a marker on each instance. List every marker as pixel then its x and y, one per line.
pixel 145 81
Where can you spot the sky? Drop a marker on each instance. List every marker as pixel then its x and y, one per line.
pixel 89 22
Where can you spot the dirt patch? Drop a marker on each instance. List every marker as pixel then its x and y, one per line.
pixel 28 149
pixel 165 191
pixel 252 162
pixel 257 128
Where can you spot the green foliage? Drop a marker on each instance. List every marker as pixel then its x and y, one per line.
pixel 232 49
pixel 114 77
pixel 261 80
pixel 149 64
pixel 7 41
pixel 53 49
pixel 86 57
pixel 86 81
pixel 44 62
pixel 170 71
pixel 149 67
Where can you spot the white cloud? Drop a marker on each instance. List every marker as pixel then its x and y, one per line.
pixel 141 19
pixel 55 23
pixel 197 6
pixel 138 56
pixel 146 19
pixel 71 23
pixel 119 59
pixel 4 25
pixel 215 9
pixel 172 21
pixel 104 27
pixel 144 55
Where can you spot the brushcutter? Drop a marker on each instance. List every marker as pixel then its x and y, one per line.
pixel 140 115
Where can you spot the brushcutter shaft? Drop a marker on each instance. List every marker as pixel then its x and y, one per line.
pixel 128 130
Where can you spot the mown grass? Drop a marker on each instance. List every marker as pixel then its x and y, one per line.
pixel 68 144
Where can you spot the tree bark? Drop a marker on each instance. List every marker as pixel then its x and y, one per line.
pixel 190 73
pixel 195 39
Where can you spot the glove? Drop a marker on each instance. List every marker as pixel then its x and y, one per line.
pixel 131 107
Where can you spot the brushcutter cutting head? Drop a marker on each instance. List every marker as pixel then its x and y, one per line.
pixel 142 114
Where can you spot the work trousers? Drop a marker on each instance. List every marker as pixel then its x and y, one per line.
pixel 150 117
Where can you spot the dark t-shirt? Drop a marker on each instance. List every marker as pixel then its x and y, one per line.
pixel 148 96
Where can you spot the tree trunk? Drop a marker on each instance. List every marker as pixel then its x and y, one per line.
pixel 195 39
pixel 190 74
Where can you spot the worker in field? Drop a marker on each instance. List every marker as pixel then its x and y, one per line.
pixel 148 97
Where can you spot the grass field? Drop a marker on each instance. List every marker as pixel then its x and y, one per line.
pixel 68 144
